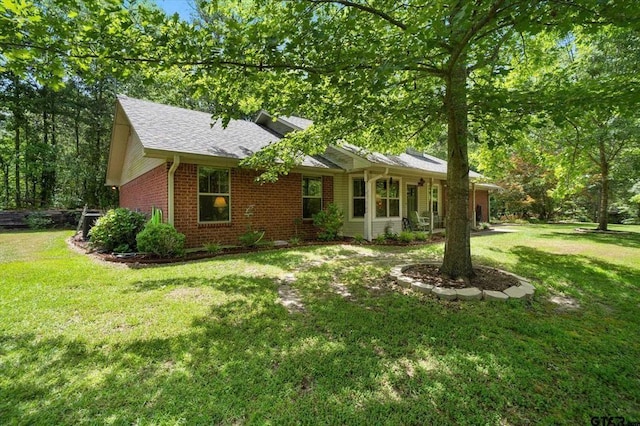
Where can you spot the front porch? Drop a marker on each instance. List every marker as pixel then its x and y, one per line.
pixel 381 201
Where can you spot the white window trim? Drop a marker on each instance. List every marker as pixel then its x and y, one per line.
pixel 307 196
pixel 351 179
pixel 214 194
pixel 400 200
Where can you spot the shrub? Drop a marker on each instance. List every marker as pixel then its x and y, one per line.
pixel 406 237
pixel 294 241
pixel 161 239
pixel 251 238
pixel 380 239
pixel 329 221
pixel 116 228
pixel 213 248
pixel 358 239
pixel 421 235
pixel 38 220
pixel 388 232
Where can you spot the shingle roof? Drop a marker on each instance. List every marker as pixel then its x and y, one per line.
pixel 180 130
pixel 413 160
pixel 301 123
pixel 169 128
pixel 410 159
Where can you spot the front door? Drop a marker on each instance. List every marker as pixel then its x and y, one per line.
pixel 412 201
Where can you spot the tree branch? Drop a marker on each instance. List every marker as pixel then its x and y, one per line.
pixel 364 8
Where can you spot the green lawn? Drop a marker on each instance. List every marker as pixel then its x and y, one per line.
pixel 207 342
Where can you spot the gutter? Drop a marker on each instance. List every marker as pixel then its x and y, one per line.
pixel 170 201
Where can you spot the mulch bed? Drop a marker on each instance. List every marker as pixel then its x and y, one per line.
pixel 485 279
pixel 140 258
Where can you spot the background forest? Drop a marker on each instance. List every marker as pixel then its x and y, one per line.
pixel 557 155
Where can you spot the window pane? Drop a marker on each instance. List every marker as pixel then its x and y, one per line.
pixel 209 213
pixel 381 188
pixel 220 181
pixel 358 207
pixel 394 208
pixel 203 180
pixel 381 207
pixel 213 180
pixel 205 213
pixel 394 189
pixel 311 206
pixel 358 187
pixel 312 187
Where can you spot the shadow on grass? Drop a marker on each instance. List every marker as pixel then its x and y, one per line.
pixel 624 239
pixel 391 358
pixel 227 284
pixel 580 276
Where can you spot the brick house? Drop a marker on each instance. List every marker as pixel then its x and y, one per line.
pixel 174 159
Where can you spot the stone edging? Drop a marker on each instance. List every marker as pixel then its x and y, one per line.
pixel 522 291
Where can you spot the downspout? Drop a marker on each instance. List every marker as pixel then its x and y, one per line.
pixel 170 201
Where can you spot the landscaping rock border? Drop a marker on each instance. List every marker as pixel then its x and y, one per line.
pixel 518 292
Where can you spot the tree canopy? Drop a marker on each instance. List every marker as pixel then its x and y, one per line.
pixel 379 74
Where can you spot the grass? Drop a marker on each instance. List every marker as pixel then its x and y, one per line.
pixel 207 342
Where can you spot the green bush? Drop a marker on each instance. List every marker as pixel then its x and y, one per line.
pixel 213 248
pixel 117 228
pixel 406 237
pixel 421 236
pixel 380 239
pixel 251 238
pixel 359 239
pixel 161 239
pixel 330 222
pixel 295 241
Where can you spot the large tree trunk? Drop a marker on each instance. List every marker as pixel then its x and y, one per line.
pixel 603 211
pixel 457 251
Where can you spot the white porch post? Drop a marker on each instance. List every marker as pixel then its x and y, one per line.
pixel 367 208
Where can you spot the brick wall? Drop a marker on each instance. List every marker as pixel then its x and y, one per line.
pixel 147 191
pixel 277 206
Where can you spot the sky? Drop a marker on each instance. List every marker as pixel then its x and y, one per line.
pixel 183 7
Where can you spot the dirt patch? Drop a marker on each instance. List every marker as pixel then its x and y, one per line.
pixel 565 303
pixel 485 279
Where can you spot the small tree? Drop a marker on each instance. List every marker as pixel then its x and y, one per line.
pixel 329 221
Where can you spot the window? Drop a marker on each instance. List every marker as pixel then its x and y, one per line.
pixel 358 197
pixel 434 199
pixel 311 196
pixel 387 198
pixel 213 195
